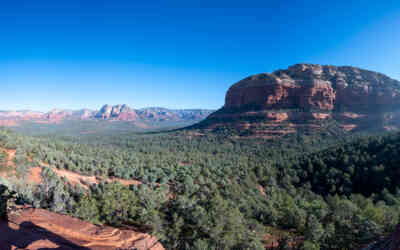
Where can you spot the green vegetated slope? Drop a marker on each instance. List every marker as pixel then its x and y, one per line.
pixel 84 128
pixel 215 192
pixel 3 158
pixel 368 166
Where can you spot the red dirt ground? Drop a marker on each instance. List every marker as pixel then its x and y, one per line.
pixel 73 178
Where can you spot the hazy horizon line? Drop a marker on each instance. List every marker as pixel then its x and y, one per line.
pixel 98 109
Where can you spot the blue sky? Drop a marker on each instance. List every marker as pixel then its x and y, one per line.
pixel 178 54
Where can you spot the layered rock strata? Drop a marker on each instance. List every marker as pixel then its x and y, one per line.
pixel 310 96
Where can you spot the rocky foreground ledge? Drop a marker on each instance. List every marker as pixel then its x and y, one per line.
pixel 40 229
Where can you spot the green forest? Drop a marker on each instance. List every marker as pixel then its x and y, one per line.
pixel 213 191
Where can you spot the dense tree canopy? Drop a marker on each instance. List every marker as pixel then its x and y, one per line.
pixel 218 192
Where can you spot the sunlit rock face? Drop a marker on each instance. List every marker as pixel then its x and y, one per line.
pixel 304 93
pixel 307 86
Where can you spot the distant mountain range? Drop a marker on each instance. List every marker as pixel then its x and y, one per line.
pixel 107 112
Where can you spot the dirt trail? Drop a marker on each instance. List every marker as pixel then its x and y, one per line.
pixel 10 156
pixel 35 175
pixel 9 164
pixel 39 229
pixel 85 181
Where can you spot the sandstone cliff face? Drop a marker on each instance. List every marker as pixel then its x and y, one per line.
pixel 306 86
pixel 306 94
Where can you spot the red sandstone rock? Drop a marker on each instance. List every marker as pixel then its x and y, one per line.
pixel 304 93
pixel 39 229
pixel 306 86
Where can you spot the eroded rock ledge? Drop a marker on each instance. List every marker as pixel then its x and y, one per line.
pixel 40 229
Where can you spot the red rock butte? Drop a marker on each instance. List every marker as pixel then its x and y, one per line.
pixel 354 98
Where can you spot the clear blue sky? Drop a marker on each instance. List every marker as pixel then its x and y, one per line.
pixel 178 54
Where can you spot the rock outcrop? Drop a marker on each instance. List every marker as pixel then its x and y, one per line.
pixel 306 86
pixel 310 96
pixel 118 112
pixel 33 229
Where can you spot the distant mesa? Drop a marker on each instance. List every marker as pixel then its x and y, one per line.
pixel 309 97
